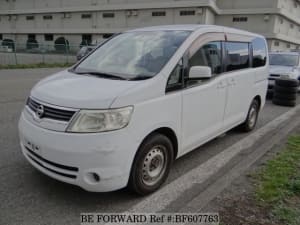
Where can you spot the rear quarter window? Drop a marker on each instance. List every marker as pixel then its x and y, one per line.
pixel 259 52
pixel 238 56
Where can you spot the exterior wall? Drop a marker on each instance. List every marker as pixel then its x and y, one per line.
pixel 278 45
pixel 290 7
pixel 278 20
pixel 246 4
pixel 256 23
pixel 72 25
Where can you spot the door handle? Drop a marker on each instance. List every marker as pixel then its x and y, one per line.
pixel 221 84
pixel 231 82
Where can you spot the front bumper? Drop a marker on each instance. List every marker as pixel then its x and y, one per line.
pixel 76 158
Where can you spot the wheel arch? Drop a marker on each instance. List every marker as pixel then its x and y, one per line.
pixel 169 133
pixel 258 98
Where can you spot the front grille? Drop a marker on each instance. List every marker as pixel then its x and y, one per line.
pixel 59 169
pixel 50 112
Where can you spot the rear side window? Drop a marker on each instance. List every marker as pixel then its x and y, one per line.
pixel 259 52
pixel 237 54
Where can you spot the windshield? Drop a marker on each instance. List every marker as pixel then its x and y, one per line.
pixel 134 54
pixel 284 60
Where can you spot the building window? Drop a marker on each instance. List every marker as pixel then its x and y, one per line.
pixel 108 15
pixel 276 43
pixel 48 37
pixel 159 13
pixel 187 13
pixel 29 17
pixel 31 36
pixel 288 45
pixel 86 39
pixel 1 36
pixel 86 16
pixel 239 19
pixel 47 17
pixel 292 26
pixel 105 36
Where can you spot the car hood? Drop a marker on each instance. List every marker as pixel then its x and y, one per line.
pixel 281 70
pixel 67 89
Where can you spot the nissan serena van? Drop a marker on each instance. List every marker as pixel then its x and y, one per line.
pixel 123 114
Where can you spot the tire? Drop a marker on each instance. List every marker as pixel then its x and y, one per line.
pixel 285 96
pixel 156 149
pixel 281 102
pixel 250 121
pixel 285 89
pixel 287 83
pixel 270 94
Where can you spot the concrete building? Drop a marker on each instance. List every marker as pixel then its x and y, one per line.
pixel 86 21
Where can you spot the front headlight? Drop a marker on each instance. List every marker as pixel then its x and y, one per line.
pixel 92 121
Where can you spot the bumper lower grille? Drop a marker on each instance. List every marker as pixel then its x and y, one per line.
pixel 50 112
pixel 70 171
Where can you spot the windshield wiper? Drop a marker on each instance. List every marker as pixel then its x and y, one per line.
pixel 141 77
pixel 100 74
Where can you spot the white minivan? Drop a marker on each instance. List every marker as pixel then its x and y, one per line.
pixel 123 114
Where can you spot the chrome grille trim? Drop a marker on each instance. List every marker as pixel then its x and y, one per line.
pixel 51 112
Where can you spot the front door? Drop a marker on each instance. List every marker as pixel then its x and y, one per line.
pixel 204 101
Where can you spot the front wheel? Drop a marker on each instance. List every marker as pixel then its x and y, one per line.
pixel 151 165
pixel 252 116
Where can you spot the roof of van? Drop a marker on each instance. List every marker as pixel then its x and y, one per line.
pixel 195 27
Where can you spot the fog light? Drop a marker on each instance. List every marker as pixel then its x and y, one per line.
pixel 92 178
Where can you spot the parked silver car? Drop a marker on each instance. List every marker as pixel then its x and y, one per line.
pixel 283 64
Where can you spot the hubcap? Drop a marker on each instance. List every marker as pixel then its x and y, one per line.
pixel 154 165
pixel 252 116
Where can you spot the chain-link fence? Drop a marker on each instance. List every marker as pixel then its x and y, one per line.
pixel 12 53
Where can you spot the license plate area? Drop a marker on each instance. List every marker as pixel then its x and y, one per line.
pixel 32 146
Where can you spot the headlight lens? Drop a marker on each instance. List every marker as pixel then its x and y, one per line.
pixel 92 121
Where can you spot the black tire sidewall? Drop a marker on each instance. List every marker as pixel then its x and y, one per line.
pixel 281 102
pixel 135 180
pixel 287 90
pixel 246 125
pixel 285 96
pixel 286 83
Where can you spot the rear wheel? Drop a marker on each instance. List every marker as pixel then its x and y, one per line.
pixel 151 165
pixel 252 116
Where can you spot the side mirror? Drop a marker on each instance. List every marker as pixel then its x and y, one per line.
pixel 200 72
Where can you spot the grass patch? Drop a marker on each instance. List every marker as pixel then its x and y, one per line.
pixel 278 184
pixel 37 65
